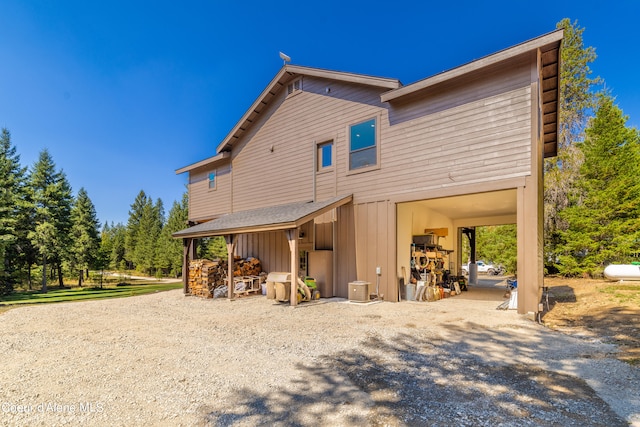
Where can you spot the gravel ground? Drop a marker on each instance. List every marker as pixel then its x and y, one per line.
pixel 167 359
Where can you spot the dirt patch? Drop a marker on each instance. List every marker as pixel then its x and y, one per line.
pixel 607 310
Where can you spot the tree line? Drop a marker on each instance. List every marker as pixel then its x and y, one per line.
pixel 48 234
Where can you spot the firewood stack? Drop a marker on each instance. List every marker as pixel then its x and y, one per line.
pixel 206 275
pixel 247 267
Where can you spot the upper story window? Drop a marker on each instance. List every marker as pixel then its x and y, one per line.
pixel 324 155
pixel 212 180
pixel 294 86
pixel 363 145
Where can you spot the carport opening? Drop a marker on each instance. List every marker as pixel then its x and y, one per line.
pixel 430 237
pixel 495 248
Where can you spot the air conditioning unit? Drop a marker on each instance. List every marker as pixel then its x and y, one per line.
pixel 359 291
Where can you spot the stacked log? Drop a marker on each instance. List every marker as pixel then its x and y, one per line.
pixel 247 267
pixel 205 276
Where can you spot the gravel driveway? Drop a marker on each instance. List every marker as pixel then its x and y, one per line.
pixel 167 359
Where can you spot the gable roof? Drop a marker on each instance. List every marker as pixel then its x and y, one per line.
pixel 286 74
pixel 548 44
pixel 271 218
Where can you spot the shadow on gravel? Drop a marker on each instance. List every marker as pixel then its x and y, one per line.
pixel 421 381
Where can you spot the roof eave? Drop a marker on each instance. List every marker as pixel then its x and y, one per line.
pixel 285 74
pixel 538 42
pixel 213 159
pixel 258 228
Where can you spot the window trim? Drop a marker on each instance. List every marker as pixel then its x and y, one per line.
pixel 215 180
pixel 377 118
pixel 318 146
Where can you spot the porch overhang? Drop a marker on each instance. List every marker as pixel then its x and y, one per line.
pixel 281 217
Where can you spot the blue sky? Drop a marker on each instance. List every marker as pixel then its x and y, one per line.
pixel 123 93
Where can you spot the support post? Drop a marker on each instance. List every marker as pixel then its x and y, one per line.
pixel 473 268
pixel 231 240
pixel 292 237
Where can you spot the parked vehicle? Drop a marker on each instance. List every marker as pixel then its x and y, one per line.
pixel 484 268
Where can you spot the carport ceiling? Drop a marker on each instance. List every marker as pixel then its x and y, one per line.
pixel 495 203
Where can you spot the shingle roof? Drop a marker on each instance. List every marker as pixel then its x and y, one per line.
pixel 271 218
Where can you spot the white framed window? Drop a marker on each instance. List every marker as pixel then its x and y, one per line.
pixel 363 145
pixel 212 180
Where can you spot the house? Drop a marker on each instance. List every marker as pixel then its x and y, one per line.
pixel 335 173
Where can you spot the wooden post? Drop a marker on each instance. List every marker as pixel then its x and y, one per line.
pixel 231 240
pixel 292 237
pixel 188 255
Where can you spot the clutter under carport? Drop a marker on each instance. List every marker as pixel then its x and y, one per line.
pixel 431 280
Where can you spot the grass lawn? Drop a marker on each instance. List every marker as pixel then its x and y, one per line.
pixel 85 293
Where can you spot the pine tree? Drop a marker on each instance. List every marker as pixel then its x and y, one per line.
pixel 133 225
pixel 85 241
pixel 149 228
pixel 52 200
pixel 113 238
pixel 11 196
pixel 169 251
pixel 576 101
pixel 604 218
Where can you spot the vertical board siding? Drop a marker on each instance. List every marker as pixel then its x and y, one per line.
pixel 372 244
pixel 345 250
pixel 271 248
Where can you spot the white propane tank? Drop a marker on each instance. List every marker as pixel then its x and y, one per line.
pixel 622 272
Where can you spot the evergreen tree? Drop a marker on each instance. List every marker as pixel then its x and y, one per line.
pixel 11 196
pixel 133 226
pixel 113 239
pixel 52 200
pixel 604 216
pixel 576 101
pixel 149 229
pixel 169 251
pixel 85 242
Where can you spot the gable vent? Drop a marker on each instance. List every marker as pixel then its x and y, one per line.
pixel 294 86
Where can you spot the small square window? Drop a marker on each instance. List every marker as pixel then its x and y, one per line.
pixel 362 145
pixel 325 155
pixel 212 180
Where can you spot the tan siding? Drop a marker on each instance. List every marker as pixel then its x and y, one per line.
pixel 325 185
pixel 205 203
pixel 272 249
pixel 263 177
pixel 345 250
pixel 372 225
pixel 484 140
pixel 324 236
